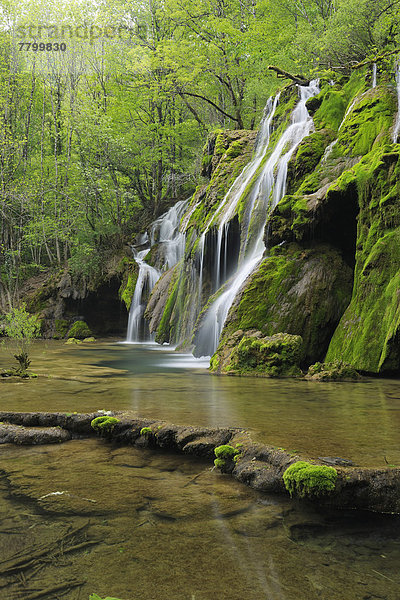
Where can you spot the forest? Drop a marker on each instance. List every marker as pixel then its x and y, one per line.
pixel 98 140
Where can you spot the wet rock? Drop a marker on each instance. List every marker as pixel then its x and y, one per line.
pixel 17 434
pixel 252 353
pixel 334 371
pixel 336 460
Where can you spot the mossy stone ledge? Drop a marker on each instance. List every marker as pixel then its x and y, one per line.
pixel 265 468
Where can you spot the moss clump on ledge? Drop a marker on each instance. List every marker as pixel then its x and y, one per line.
pixel 105 424
pixel 226 457
pixel 333 371
pixel 79 330
pixel 146 431
pixel 309 481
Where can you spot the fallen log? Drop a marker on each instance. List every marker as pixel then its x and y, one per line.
pixel 376 59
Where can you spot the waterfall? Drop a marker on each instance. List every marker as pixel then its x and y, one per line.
pixel 147 278
pixel 267 191
pixel 374 74
pixel 166 233
pixel 396 129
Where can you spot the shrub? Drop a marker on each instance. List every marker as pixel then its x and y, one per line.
pixel 22 328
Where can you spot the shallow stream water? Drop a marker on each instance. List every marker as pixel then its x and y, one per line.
pixel 156 526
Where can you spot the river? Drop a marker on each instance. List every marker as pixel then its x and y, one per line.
pixel 164 527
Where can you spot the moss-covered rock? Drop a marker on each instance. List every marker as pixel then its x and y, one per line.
pixel 335 371
pixel 129 275
pixel 61 327
pixel 251 353
pixel 79 330
pixel 305 480
pixel 300 291
pixel 104 425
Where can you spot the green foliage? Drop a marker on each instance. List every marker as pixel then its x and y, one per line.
pixel 309 481
pixel 22 328
pixel 79 330
pixel 104 425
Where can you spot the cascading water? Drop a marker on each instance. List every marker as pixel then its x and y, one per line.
pixel 231 199
pixel 164 232
pixel 374 75
pixel 147 278
pixel 267 191
pixel 223 213
pixel 396 129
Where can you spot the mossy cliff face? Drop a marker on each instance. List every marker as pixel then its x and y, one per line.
pixel 296 290
pixel 332 271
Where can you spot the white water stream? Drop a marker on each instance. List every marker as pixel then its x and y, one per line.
pixel 268 190
pixel 396 129
pixel 165 232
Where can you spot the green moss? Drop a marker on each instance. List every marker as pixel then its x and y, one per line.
pixel 358 340
pixel 302 292
pixel 60 329
pixel 307 157
pixel 127 288
pixel 334 101
pixel 79 330
pixel 220 463
pixel 368 123
pixel 225 451
pixel 105 424
pixel 335 371
pixel 274 356
pixel 72 341
pixel 146 431
pixel 308 481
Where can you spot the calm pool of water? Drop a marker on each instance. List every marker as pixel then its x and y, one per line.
pixel 358 421
pixel 153 526
pixel 163 527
